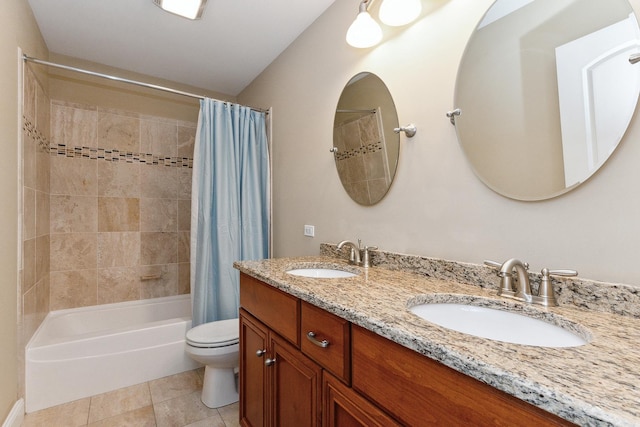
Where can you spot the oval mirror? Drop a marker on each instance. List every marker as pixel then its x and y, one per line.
pixel 546 91
pixel 365 147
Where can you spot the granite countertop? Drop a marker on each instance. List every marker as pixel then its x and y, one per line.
pixel 594 384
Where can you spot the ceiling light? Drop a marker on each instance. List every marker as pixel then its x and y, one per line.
pixel 399 12
pixel 191 9
pixel 364 31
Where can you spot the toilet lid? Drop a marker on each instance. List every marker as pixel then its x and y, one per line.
pixel 214 334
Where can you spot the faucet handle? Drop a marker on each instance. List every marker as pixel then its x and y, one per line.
pixel 546 295
pixel 493 264
pixel 566 273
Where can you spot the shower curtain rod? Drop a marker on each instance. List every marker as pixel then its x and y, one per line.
pixel 123 80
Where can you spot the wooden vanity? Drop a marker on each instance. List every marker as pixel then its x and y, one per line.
pixel 354 378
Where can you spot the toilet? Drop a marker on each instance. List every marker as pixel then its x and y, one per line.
pixel 215 345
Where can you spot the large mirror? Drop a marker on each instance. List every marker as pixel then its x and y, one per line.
pixel 546 91
pixel 365 146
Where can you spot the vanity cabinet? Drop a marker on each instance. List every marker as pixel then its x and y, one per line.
pixel 356 379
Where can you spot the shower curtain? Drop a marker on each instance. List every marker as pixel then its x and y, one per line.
pixel 230 208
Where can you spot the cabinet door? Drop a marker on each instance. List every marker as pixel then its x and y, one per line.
pixel 343 407
pixel 295 386
pixel 252 386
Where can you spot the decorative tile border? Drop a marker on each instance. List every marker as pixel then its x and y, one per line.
pixel 109 155
pixel 32 132
pixel 361 151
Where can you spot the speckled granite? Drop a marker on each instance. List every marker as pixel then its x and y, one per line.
pixel 595 384
pixel 589 294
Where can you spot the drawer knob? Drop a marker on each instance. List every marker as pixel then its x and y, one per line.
pixel 260 353
pixel 270 362
pixel 311 336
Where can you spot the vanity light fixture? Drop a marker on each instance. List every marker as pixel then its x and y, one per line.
pixel 364 31
pixel 191 9
pixel 396 13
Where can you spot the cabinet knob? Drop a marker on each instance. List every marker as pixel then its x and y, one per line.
pixel 311 336
pixel 270 362
pixel 260 353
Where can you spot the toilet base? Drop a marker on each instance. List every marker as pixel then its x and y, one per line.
pixel 219 387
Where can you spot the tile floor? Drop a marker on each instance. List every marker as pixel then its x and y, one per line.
pixel 172 401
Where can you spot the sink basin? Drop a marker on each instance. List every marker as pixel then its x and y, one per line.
pixel 497 324
pixel 321 273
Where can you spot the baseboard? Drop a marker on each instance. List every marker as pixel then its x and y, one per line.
pixel 16 416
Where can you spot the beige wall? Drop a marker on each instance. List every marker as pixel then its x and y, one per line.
pixel 17 29
pixel 436 206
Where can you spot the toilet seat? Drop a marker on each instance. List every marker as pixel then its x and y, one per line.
pixel 222 333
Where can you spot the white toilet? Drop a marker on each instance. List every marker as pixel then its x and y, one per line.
pixel 215 345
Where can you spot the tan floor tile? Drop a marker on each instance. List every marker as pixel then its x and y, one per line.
pixel 182 411
pixel 215 421
pixel 69 414
pixel 142 417
pixel 174 386
pixel 119 401
pixel 230 414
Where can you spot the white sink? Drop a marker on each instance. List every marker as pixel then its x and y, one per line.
pixel 321 273
pixel 497 324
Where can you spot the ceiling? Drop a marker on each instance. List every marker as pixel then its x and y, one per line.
pixel 224 51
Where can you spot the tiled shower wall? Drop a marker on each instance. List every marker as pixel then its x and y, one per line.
pixel 361 159
pixel 120 205
pixel 34 274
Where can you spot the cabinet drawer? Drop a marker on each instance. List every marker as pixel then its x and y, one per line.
pixel 336 355
pixel 273 307
pixel 421 391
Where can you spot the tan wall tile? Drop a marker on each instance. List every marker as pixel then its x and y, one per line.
pixel 184 278
pixel 43 170
pixel 159 137
pixel 73 251
pixel 158 182
pixel 184 215
pixel 118 179
pixel 74 127
pixel 158 248
pixel 118 249
pixel 43 294
pixel 118 214
pixel 118 132
pixel 158 215
pixel 43 258
pixel 42 213
pixel 74 176
pixel 186 141
pixel 184 246
pixel 28 264
pixel 29 172
pixel 71 289
pixel 118 284
pixel 29 313
pixel 43 106
pixel 74 214
pixel 28 213
pixel 184 183
pixel 166 285
pixel 29 94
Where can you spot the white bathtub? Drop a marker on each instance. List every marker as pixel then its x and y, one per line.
pixel 82 352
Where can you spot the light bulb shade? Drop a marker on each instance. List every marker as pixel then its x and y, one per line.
pixel 364 31
pixel 191 9
pixel 399 12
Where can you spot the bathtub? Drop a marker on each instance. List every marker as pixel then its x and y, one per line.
pixel 82 352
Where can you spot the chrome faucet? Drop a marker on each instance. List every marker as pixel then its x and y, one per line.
pixel 358 255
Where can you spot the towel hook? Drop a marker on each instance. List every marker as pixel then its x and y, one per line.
pixel 409 130
pixel 452 115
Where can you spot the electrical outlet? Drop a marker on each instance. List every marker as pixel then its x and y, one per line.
pixel 309 230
